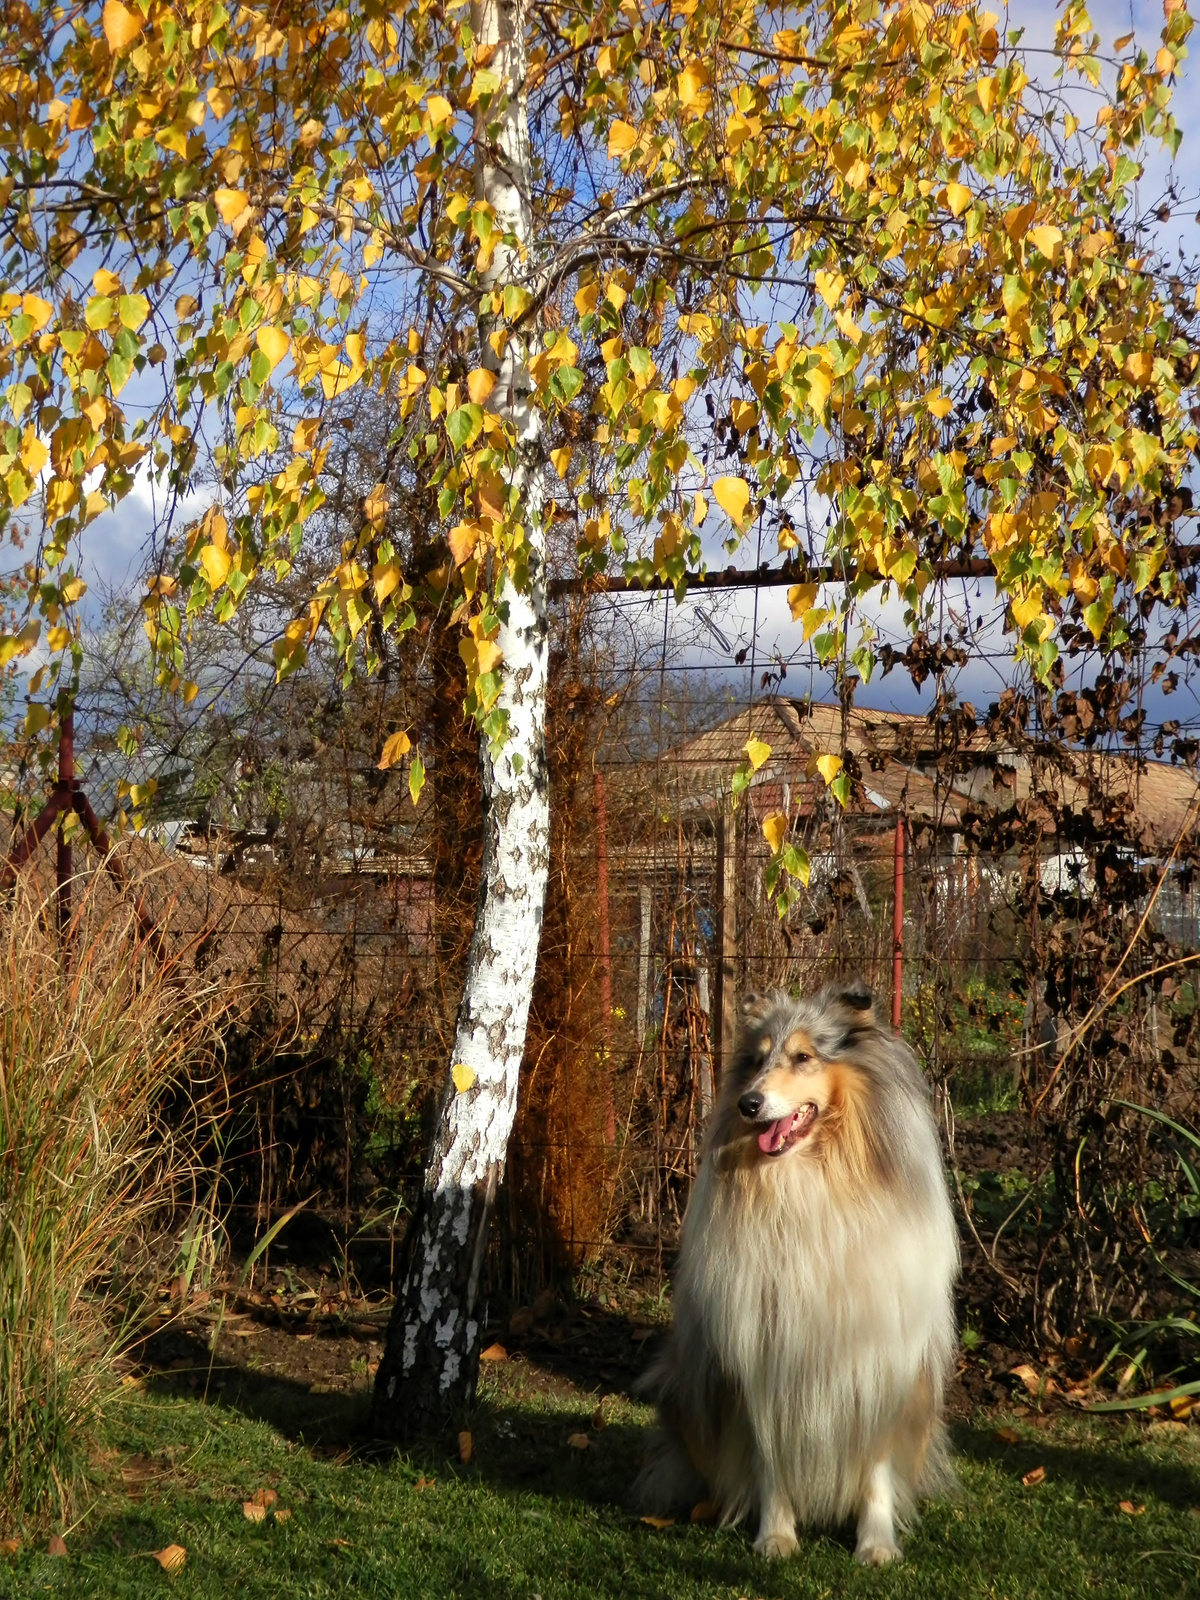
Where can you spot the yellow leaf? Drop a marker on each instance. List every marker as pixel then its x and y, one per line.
pixel 585 299
pixel 699 509
pixel 34 454
pixel 829 767
pixel 305 435
pixel 733 497
pixel 659 1522
pixel 121 27
pixel 106 282
pixel 230 203
pixel 1047 240
pixel 438 109
pixel 394 746
pixel 172 1558
pixel 829 287
pixel 386 578
pixel 463 1077
pixel 757 751
pixel 490 656
pixel 58 638
pixel 39 310
pixel 691 82
pixel 939 405
pixel 463 537
pixel 375 505
pixel 216 564
pixel 958 198
pixel 621 139
pixel 1139 367
pixel 561 459
pixel 274 344
pixel 480 383
pixel 801 598
pixel 1016 221
pixel 775 829
pixel 820 384
pixel 1027 608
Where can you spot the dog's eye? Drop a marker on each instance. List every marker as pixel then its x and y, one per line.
pixel 800 1058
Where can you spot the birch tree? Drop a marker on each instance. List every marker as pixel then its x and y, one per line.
pixel 852 279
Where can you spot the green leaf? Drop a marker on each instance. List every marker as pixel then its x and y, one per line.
pixel 566 383
pixel 416 777
pixel 465 425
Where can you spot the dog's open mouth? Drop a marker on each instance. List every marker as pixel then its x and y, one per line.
pixel 785 1132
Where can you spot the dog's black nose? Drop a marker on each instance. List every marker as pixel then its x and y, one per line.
pixel 750 1105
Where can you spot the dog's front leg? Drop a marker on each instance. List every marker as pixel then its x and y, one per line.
pixel 876 1536
pixel 777 1519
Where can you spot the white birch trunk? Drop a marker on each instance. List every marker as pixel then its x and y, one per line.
pixel 430 1364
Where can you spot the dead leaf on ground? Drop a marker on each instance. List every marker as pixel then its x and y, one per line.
pixel 253 1512
pixel 9 1547
pixel 704 1511
pixel 1130 1510
pixel 466 1447
pixel 599 1420
pixel 340 1544
pixel 172 1558
pixel 266 1498
pixel 1182 1406
pixel 1007 1436
pixel 494 1352
pixel 57 1545
pixel 426 1483
pixel 659 1522
pixel 282 1514
pixel 1035 1384
pixel 578 1441
pixel 1157 1429
pixel 1038 1475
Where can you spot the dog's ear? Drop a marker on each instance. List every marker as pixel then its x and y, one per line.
pixel 856 995
pixel 753 1007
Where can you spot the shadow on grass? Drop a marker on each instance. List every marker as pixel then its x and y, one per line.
pixel 1108 1473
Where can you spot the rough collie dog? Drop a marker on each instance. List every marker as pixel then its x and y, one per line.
pixel 814 1327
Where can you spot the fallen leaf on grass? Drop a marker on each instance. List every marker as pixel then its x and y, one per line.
pixel 172 1558
pixel 599 1420
pixel 659 1522
pixel 57 1545
pixel 1130 1510
pixel 282 1514
pixel 466 1447
pixel 1007 1436
pixel 1029 1377
pixel 1036 1476
pixel 1182 1406
pixel 9 1547
pixel 426 1483
pixel 1157 1429
pixel 253 1512
pixel 265 1497
pixel 578 1441
pixel 340 1544
pixel 704 1511
pixel 494 1352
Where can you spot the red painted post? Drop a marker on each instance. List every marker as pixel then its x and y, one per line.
pixel 63 864
pixel 610 1113
pixel 898 927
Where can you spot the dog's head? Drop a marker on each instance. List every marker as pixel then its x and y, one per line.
pixel 804 1070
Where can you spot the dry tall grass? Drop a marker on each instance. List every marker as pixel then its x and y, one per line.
pixel 90 1049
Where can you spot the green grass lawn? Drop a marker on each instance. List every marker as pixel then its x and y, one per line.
pixel 534 1515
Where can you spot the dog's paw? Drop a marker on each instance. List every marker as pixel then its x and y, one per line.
pixel 776 1546
pixel 877 1555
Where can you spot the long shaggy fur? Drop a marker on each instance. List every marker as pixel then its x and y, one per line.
pixel 814 1327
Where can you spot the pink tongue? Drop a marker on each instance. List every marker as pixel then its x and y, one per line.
pixel 773 1138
